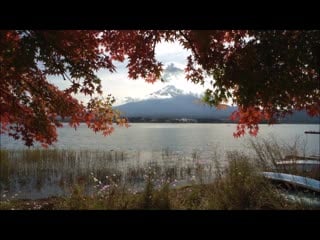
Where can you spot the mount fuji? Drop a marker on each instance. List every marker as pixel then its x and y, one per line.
pixel 171 102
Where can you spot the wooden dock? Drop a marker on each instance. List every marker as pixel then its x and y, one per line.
pixel 311 132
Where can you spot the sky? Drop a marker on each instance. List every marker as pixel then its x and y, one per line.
pixel 174 58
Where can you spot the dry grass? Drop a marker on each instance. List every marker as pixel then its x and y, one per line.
pixel 237 186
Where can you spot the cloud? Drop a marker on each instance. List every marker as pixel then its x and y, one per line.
pixel 173 69
pixel 171 72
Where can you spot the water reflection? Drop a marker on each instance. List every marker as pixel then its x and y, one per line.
pixel 178 151
pixel 43 173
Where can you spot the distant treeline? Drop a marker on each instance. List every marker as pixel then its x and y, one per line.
pixel 176 120
pixel 207 120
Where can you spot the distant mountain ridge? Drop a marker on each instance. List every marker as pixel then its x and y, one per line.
pixel 170 103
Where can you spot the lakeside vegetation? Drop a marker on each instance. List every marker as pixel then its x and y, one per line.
pixel 238 187
pixel 101 182
pixel 267 76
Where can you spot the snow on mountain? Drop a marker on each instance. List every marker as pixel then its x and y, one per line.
pixel 169 91
pixel 166 92
pixel 170 102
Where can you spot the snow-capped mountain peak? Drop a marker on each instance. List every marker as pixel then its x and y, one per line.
pixel 166 92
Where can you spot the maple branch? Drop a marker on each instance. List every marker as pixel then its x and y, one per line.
pixel 190 43
pixel 65 76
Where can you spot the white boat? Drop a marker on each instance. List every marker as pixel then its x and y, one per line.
pixel 299 181
pixel 307 199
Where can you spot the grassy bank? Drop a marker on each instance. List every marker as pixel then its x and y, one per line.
pixel 238 187
pixel 236 184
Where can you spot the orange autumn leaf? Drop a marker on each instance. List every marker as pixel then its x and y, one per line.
pixel 267 74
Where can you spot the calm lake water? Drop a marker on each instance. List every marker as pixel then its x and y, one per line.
pixel 175 149
pixel 177 137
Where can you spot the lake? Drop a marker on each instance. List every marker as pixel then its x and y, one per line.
pixel 178 137
pixel 178 149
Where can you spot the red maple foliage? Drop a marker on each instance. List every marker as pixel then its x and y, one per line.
pixel 267 74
